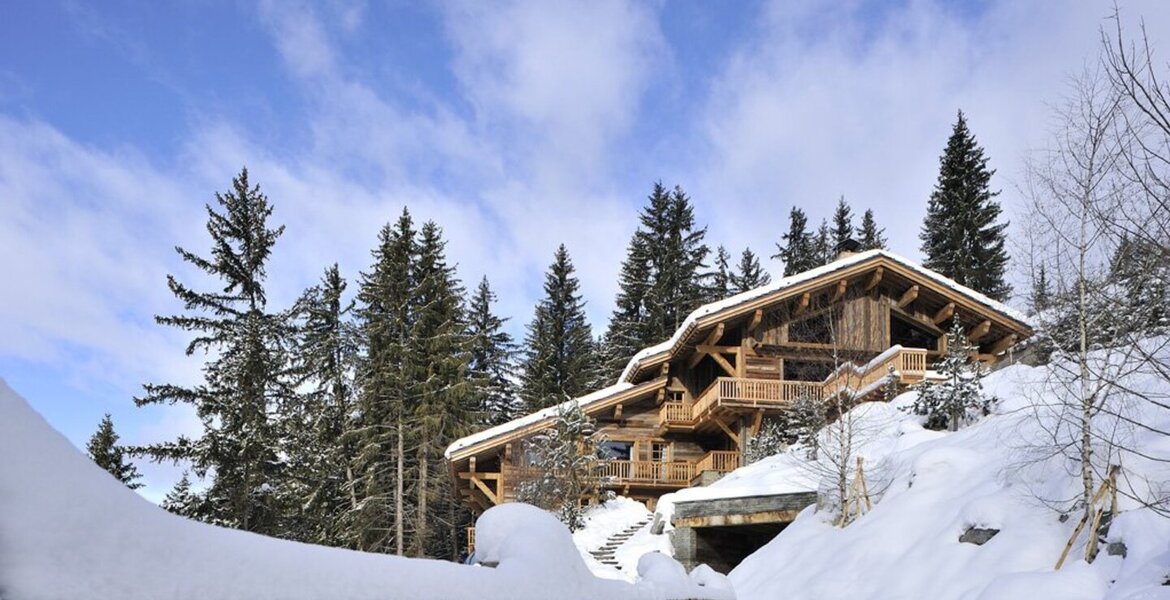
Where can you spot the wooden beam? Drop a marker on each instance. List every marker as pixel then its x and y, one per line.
pixel 944 313
pixel 802 305
pixel 722 362
pixel 714 336
pixel 617 410
pixel 910 296
pixel 757 318
pixel 483 475
pixel 676 385
pixel 1003 344
pixel 839 293
pixel 472 464
pixel 731 434
pixel 979 331
pixel 757 420
pixel 717 349
pixel 875 279
pixel 486 490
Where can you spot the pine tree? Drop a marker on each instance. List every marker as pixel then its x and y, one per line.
pixel 960 236
pixel 492 361
pixel 248 380
pixel 319 452
pixel 559 360
pixel 181 500
pixel 383 421
pixel 676 253
pixel 629 326
pixel 442 397
pixel 751 275
pixel 872 238
pixel 103 448
pixel 797 249
pixel 566 459
pixel 842 224
pixel 1040 298
pixel 722 277
pixel 957 398
pixel 823 250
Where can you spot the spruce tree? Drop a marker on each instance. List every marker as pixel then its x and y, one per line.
pixel 181 500
pixel 751 275
pixel 629 326
pixel 956 399
pixel 961 238
pixel 492 361
pixel 103 448
pixel 442 396
pixel 566 458
pixel 383 420
pixel 248 381
pixel 842 224
pixel 661 281
pixel 319 452
pixel 872 237
pixel 677 254
pixel 1040 298
pixel 559 360
pixel 796 247
pixel 722 277
pixel 823 249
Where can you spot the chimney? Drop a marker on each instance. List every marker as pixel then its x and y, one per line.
pixel 847 248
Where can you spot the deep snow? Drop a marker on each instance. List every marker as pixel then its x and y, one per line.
pixel 998 473
pixel 69 530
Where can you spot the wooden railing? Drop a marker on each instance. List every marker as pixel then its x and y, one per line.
pixel 635 471
pixel 908 363
pixel 675 412
pixel 722 461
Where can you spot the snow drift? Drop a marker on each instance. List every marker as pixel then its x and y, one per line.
pixel 1001 474
pixel 69 530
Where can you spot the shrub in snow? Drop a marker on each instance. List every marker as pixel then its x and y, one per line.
pixel 566 466
pixel 957 399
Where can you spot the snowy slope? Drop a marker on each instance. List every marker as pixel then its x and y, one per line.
pixel 994 474
pixel 69 530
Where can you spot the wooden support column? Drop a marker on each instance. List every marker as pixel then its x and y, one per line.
pixel 757 420
pixel 910 296
pixel 617 411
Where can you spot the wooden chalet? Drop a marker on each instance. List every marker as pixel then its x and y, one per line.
pixel 684 409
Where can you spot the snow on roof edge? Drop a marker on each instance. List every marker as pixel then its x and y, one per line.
pixel 791 280
pixel 533 418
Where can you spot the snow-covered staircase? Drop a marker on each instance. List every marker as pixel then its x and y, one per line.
pixel 606 555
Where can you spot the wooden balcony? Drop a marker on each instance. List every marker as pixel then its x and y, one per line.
pixel 907 364
pixel 721 461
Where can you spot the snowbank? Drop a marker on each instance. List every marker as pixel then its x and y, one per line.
pixel 69 530
pixel 938 485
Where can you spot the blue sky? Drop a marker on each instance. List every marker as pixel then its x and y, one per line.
pixel 516 126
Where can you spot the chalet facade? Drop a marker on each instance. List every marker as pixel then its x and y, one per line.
pixel 686 407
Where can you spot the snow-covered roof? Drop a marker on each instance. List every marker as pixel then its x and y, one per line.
pixel 784 283
pixel 536 417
